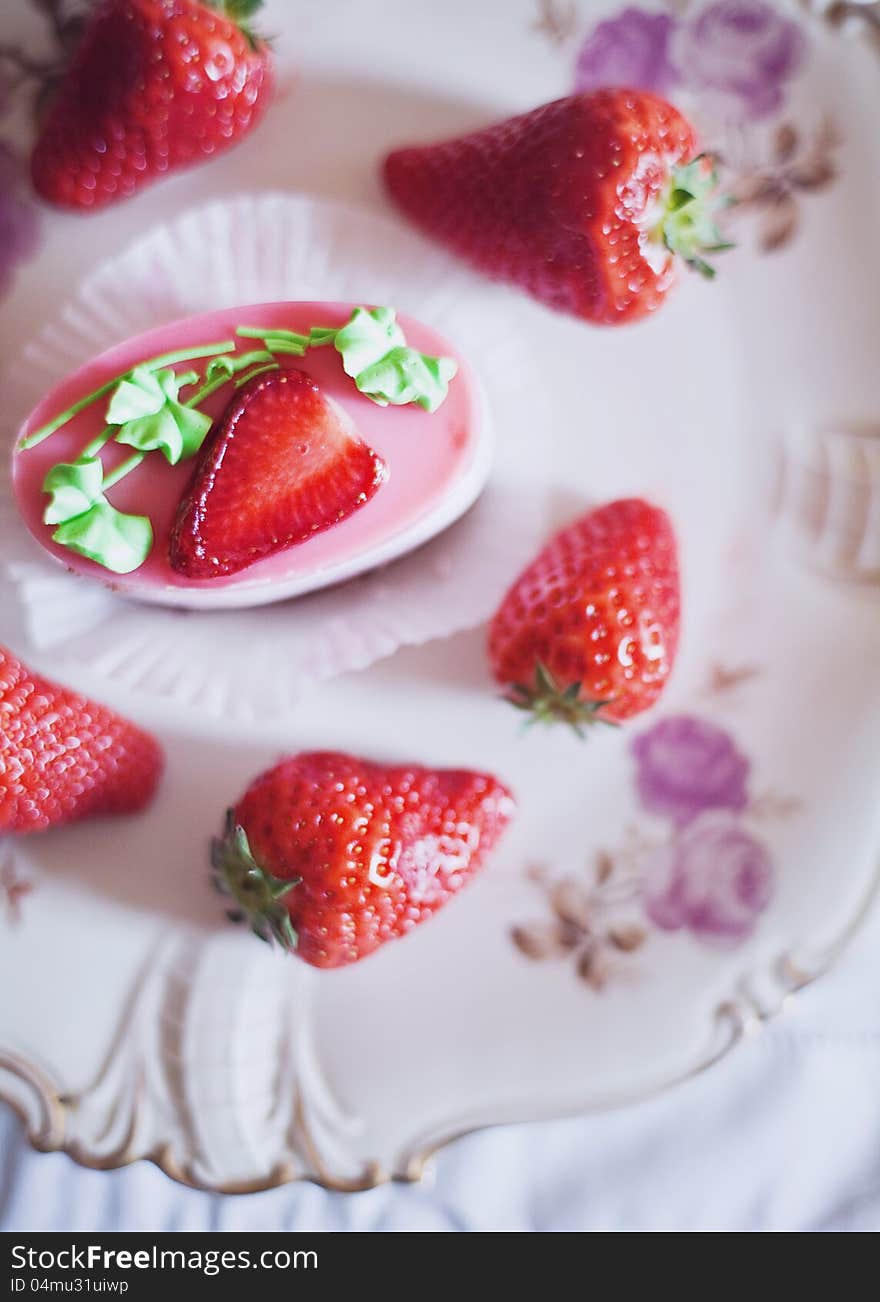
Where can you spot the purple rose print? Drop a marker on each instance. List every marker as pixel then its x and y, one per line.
pixel 629 50
pixel 713 879
pixel 18 220
pixel 685 766
pixel 738 54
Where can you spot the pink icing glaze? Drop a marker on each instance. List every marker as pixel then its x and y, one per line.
pixel 426 454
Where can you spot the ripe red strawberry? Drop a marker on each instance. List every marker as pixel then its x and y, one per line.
pixel 63 758
pixel 589 630
pixel 584 202
pixel 283 463
pixel 156 85
pixel 332 856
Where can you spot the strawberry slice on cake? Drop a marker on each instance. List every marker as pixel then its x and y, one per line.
pixel 283 463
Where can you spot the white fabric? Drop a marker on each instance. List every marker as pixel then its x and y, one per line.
pixel 783 1135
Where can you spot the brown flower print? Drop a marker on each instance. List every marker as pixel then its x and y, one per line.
pixel 698 865
pixel 66 20
pixel 727 678
pixel 13 890
pixel 556 21
pixel 773 188
pixel 853 13
pixel 589 921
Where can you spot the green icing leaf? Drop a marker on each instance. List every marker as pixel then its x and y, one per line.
pixel 118 542
pixel 404 375
pixel 73 489
pixel 177 431
pixel 141 394
pixel 153 418
pixel 367 338
pixel 193 426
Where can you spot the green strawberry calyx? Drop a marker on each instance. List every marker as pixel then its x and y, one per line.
pixel 690 203
pixel 239 12
pixel 146 411
pixel 258 896
pixel 548 701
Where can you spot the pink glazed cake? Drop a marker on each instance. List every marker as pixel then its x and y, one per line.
pixel 437 462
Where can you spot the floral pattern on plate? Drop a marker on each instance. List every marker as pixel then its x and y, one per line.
pixel 13 889
pixel 710 875
pixel 732 63
pixel 19 223
pixel 737 55
pixel 25 75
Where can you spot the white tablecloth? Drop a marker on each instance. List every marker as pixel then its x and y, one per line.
pixel 783 1135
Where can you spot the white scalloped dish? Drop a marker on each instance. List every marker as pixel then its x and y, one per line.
pixel 665 888
pixel 436 463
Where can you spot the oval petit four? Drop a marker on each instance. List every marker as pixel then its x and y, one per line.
pixel 252 454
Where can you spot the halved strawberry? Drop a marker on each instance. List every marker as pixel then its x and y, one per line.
pixel 283 463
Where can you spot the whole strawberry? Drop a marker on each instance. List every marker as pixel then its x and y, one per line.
pixel 585 203
pixel 332 856
pixel 589 630
pixel 156 85
pixel 62 757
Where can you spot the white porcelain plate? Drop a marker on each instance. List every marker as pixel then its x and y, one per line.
pixel 665 886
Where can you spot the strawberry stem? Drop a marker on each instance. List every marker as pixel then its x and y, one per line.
pixel 206 390
pixel 155 364
pixel 190 354
pixel 320 336
pixel 271 332
pixel 221 371
pixel 92 449
pixel 288 346
pixel 258 370
pixel 124 468
pixel 55 424
pixel 244 360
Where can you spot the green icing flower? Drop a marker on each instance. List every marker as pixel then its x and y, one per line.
pixel 72 489
pixel 88 524
pixel 404 375
pixel 367 337
pixel 151 418
pixel 119 542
